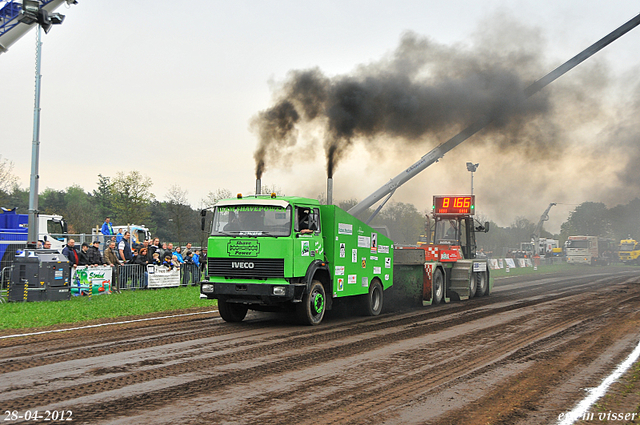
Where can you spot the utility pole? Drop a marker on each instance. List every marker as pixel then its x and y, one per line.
pixel 35 149
pixel 471 167
pixel 34 13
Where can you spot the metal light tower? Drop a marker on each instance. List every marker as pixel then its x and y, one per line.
pixel 35 149
pixel 471 167
pixel 33 13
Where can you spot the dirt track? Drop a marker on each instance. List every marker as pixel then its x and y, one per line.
pixel 523 356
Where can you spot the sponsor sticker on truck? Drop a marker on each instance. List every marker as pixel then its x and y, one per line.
pixel 243 248
pixel 345 229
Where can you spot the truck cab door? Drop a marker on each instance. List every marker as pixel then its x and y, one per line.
pixel 308 239
pixel 467 238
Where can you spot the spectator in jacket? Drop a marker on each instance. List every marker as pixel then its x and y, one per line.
pixel 95 257
pixel 167 262
pixel 156 259
pixel 119 236
pixel 196 258
pixel 83 255
pixel 107 229
pixel 203 260
pixel 70 252
pixel 141 259
pixel 187 269
pixel 110 256
pixel 124 248
pixel 188 258
pixel 178 254
pixel 154 247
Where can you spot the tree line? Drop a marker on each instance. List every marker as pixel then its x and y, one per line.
pixel 127 199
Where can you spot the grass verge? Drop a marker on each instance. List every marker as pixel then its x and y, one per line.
pixel 542 269
pixel 17 315
pixel 553 268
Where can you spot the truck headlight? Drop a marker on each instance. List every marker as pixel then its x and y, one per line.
pixel 279 290
pixel 207 287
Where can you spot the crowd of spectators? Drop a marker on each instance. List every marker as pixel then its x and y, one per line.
pixel 120 250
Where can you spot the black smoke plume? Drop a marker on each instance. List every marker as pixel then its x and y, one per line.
pixel 421 92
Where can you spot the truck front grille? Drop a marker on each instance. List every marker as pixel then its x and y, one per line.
pixel 246 268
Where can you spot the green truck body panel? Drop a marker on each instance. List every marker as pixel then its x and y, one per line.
pixel 356 252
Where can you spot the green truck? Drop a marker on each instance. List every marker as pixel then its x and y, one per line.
pixel 271 253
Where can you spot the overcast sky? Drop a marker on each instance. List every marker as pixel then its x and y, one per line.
pixel 169 89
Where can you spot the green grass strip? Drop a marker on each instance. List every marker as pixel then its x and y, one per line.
pixel 20 315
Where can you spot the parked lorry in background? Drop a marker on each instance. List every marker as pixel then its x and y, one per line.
pixel 139 233
pixel 14 229
pixel 589 250
pixel 629 251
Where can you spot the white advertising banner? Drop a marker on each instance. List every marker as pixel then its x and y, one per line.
pixel 162 277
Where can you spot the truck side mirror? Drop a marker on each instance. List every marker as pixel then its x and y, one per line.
pixel 203 214
pixel 313 221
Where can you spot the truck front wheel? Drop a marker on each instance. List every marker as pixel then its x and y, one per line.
pixel 373 300
pixel 438 287
pixel 311 310
pixel 232 312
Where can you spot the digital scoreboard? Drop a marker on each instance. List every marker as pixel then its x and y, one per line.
pixel 454 205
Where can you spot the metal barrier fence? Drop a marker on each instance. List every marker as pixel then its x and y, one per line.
pixel 134 276
pixel 10 243
pixel 5 276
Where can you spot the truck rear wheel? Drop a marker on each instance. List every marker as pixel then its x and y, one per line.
pixel 473 285
pixel 438 287
pixel 231 312
pixel 311 310
pixel 372 301
pixel 481 284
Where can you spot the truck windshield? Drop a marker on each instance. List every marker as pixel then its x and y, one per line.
pixel 54 227
pixel 578 244
pixel 627 246
pixel 251 220
pixel 446 231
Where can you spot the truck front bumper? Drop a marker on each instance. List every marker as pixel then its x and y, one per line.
pixel 253 293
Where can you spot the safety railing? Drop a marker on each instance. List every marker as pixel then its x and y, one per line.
pixel 134 276
pixel 189 274
pixel 5 276
pixel 10 244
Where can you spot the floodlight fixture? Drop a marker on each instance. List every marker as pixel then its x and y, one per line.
pixel 56 18
pixel 31 6
pixel 33 12
pixel 29 14
pixel 471 167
